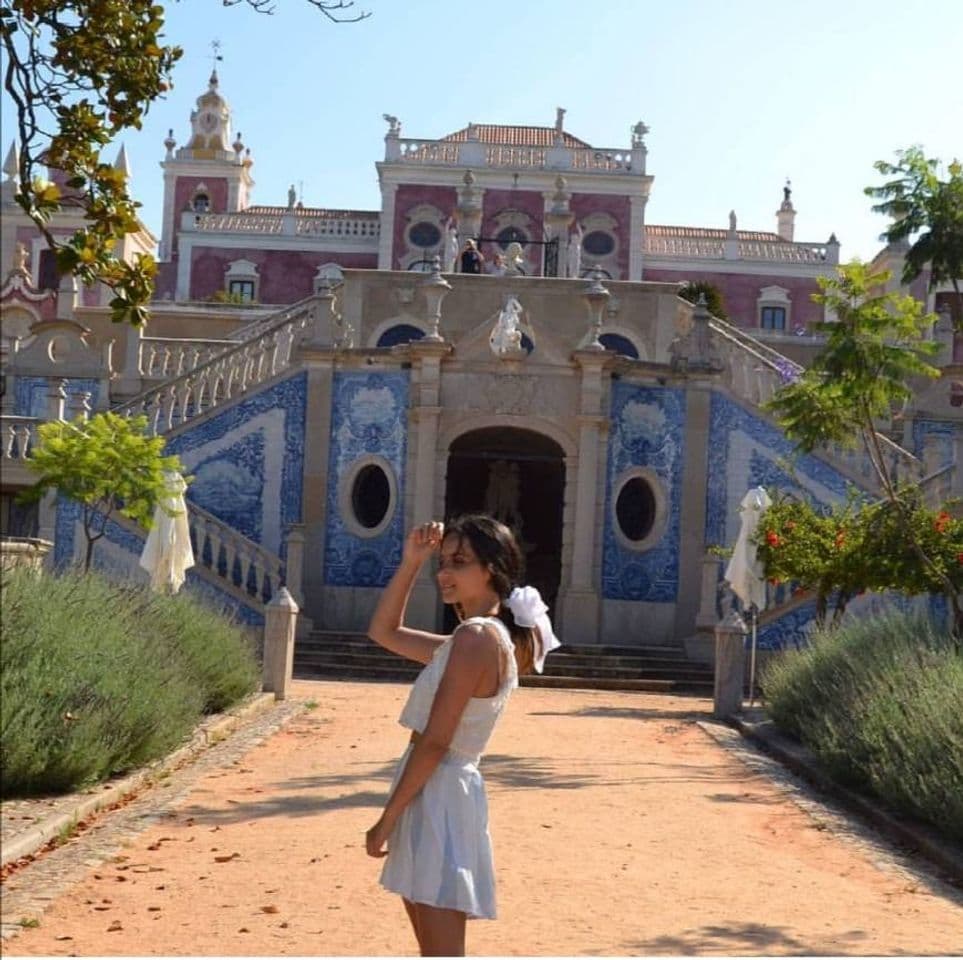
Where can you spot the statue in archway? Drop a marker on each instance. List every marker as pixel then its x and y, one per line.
pixel 502 493
pixel 575 252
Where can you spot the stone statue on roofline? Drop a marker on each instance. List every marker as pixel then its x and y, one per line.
pixel 292 197
pixel 638 134
pixel 451 247
pixel 394 125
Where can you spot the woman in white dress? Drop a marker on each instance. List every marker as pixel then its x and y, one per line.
pixel 434 828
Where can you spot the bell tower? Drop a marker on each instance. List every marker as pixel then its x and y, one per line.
pixel 208 175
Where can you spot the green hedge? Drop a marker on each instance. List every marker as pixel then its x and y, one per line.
pixel 97 678
pixel 880 703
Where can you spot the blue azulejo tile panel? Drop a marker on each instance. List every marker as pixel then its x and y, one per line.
pixel 30 395
pixel 647 430
pixel 369 416
pixel 117 555
pixel 248 462
pixel 746 451
pixel 791 630
pixel 933 442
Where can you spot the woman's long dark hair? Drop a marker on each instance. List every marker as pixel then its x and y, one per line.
pixel 496 548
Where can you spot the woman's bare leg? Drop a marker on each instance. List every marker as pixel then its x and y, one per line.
pixel 412 910
pixel 441 932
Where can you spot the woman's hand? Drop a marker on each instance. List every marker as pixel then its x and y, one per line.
pixel 423 540
pixel 376 839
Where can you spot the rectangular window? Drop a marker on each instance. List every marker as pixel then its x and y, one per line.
pixel 773 318
pixel 48 274
pixel 243 288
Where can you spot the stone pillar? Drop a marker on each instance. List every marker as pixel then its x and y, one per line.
pixel 386 238
pixel 636 235
pixel 557 218
pixel 425 413
pixel 130 383
pixel 280 623
pixel 294 564
pixel 469 209
pixel 730 667
pixel 319 334
pixel 68 297
pixel 708 613
pixel 580 610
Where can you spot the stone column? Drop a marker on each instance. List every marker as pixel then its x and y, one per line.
pixel 386 237
pixel 280 624
pixel 730 666
pixel 130 382
pixel 425 412
pixel 469 209
pixel 580 610
pixel 636 235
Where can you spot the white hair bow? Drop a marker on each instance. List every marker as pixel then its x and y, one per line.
pixel 529 610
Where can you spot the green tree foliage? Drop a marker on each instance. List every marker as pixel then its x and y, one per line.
pixel 871 352
pixel 106 463
pixel 80 72
pixel 692 290
pixel 931 210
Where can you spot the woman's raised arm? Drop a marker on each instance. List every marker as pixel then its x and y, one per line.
pixel 387 627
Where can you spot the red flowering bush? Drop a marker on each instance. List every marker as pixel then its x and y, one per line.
pixel 839 552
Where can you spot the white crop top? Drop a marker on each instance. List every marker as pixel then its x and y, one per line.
pixel 481 713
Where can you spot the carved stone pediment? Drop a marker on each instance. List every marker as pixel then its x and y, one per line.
pixel 62 348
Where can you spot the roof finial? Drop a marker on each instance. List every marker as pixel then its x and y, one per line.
pixel 215 58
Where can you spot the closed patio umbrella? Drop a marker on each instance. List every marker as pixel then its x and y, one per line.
pixel 744 572
pixel 168 553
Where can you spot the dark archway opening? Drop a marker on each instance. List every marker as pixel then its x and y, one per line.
pixel 519 477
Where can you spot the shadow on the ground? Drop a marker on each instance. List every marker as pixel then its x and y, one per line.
pixel 630 713
pixel 745 798
pixel 744 938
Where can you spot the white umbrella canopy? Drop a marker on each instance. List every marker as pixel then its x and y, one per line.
pixel 744 572
pixel 168 553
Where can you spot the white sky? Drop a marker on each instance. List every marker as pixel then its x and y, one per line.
pixel 738 95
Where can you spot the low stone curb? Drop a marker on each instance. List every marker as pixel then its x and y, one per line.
pixel 32 839
pixel 799 759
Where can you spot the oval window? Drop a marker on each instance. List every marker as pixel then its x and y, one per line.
pixel 635 509
pixel 424 235
pixel 510 235
pixel 370 496
pixel 598 243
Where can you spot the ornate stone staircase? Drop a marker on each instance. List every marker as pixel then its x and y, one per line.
pixel 331 655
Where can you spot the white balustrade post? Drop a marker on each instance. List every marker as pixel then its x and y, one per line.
pixel 56 399
pixel 280 624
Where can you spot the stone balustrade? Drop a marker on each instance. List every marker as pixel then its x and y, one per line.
pixel 232 557
pixel 714 248
pixel 472 153
pixel 163 358
pixel 17 434
pixel 224 377
pixel 334 223
pixel 755 372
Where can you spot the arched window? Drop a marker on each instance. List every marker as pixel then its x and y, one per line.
pixel 621 345
pixel 400 333
pixel 509 235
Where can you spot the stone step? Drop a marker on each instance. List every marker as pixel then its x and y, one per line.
pixel 554 666
pixel 383 674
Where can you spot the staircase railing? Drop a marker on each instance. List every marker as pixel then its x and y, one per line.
pixel 165 357
pixel 232 557
pixel 224 377
pixel 756 372
pixel 17 435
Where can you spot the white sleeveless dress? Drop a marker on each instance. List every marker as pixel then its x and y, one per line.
pixel 440 851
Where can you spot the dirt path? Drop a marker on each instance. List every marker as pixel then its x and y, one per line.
pixel 621 824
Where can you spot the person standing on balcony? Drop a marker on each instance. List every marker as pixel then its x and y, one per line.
pixel 434 828
pixel 471 259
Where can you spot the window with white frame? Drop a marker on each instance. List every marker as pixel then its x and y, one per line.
pixel 241 280
pixel 773 309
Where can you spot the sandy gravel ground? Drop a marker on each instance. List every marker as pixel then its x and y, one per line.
pixel 621 825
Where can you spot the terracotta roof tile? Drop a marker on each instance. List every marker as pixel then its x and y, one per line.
pixel 513 136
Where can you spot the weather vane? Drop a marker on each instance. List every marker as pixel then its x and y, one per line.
pixel 216 52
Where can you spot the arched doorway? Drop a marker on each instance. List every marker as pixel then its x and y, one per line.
pixel 519 477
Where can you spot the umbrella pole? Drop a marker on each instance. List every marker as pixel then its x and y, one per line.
pixel 752 656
